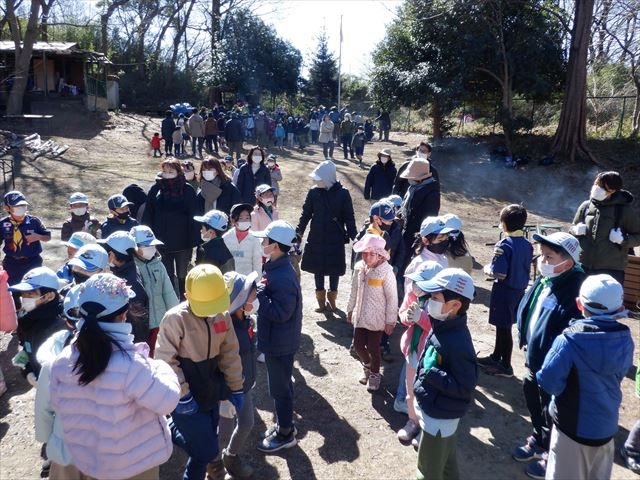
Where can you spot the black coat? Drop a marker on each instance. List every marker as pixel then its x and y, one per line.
pixel 168 126
pixel 332 225
pixel 401 185
pixel 379 181
pixel 247 182
pixel 425 202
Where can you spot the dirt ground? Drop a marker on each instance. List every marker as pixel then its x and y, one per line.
pixel 344 432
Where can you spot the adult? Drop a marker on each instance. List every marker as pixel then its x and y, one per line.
pixel 252 174
pixel 171 206
pixel 329 210
pixel 262 129
pixel 326 137
pixel 314 127
pixel 379 181
pixel 211 134
pixel 167 127
pixel 384 124
pixel 607 227
pixel 233 135
pixel 423 150
pixel 195 126
pixel 347 129
pixel 216 192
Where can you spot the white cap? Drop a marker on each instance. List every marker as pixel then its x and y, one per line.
pixel 215 219
pixel 78 197
pixel 144 236
pixel 453 279
pixel 279 231
pixel 567 242
pixel 452 223
pixel 601 294
pixel 120 241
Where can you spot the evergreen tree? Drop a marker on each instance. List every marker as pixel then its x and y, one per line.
pixel 323 74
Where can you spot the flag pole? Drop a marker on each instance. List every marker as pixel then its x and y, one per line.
pixel 340 65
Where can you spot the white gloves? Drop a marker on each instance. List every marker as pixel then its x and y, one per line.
pixel 578 230
pixel 414 313
pixel 616 236
pixel 487 270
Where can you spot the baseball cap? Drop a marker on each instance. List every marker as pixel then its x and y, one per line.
pixel 239 286
pixel 452 223
pixel 279 231
pixel 369 242
pixel 119 241
pixel 215 219
pixel 426 271
pixel 14 198
pixel 431 225
pixel 107 290
pixel 70 303
pixel 383 209
pixel 601 294
pixel 565 241
pixel 78 197
pixel 39 277
pixel 260 189
pixel 206 291
pixel 90 257
pixel 79 239
pixel 118 201
pixel 144 236
pixel 395 200
pixel 452 279
pixel 272 157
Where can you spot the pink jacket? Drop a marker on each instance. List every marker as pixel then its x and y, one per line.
pixel 424 323
pixel 260 219
pixel 114 427
pixel 373 298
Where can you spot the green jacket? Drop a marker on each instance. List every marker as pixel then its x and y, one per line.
pixel 598 252
pixel 159 288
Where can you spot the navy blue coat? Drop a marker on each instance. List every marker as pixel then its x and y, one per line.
pixel 247 182
pixel 379 181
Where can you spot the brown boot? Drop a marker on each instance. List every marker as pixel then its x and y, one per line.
pixel 332 296
pixel 321 297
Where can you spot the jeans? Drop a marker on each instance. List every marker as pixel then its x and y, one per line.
pixel 537 401
pixel 290 139
pixel 234 432
pixel 200 141
pixel 197 435
pixel 333 282
pixel 177 264
pixel 279 370
pixel 327 149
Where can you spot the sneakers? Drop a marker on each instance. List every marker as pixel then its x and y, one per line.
pixel 400 406
pixel 529 451
pixel 415 441
pixel 276 442
pixel 274 428
pixel 632 461
pixel 366 373
pixel 499 370
pixel 260 357
pixel 487 361
pixel 409 431
pixel 538 469
pixel 374 382
pixel 235 466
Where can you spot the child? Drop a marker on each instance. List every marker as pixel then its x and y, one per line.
pixel 178 142
pixel 357 144
pixel 447 373
pixel 279 330
pixel 155 144
pixel 155 280
pixel 276 176
pixel 38 318
pixel 119 218
pixel 213 250
pixel 104 371
pixel 88 260
pixel 77 240
pixel 280 134
pixel 242 243
pixel 412 313
pixel 429 245
pixel 81 220
pixel 372 306
pixel 189 171
pixel 264 212
pixel 458 255
pixel 510 267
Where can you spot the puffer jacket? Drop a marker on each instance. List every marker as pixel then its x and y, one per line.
pixel 195 124
pixel 215 252
pixel 157 284
pixel 583 371
pixel 597 251
pixel 424 324
pixel 260 218
pixel 373 300
pixel 115 426
pixel 200 351
pixel 247 254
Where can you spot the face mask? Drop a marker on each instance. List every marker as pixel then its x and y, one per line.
pixel 123 215
pixel 434 308
pixel 112 265
pixel 78 212
pixel 271 164
pixel 20 211
pixel 29 304
pixel 209 175
pixel 268 202
pixel 148 252
pixel 257 159
pixel 243 226
pixel 598 193
pixel 189 175
pixel 252 307
pixel 384 227
pixel 267 251
pixel 384 159
pixel 319 183
pixel 255 167
pixel 169 175
pixel 417 291
pixel 547 270
pixel 205 237
pixel 422 155
pixel 438 248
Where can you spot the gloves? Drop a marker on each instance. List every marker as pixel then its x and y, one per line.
pixel 430 358
pixel 237 398
pixel 187 405
pixel 487 270
pixel 21 359
pixel 616 236
pixel 578 229
pixel 414 313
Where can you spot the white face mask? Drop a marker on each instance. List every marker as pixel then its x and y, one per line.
pixel 29 304
pixel 422 155
pixel 267 202
pixel 209 175
pixel 252 307
pixel 169 175
pixel 434 308
pixel 598 193
pixel 79 211
pixel 271 164
pixel 19 211
pixel 148 252
pixel 547 270
pixel 319 184
pixel 189 175
pixel 205 237
pixel 243 226
pixel 257 158
pixel 255 166
pixel 384 159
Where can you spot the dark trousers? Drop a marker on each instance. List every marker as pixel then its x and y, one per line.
pixel 437 457
pixel 168 146
pixel 279 370
pixel 333 282
pixel 367 345
pixel 346 145
pixel 327 149
pixel 211 143
pixel 504 346
pixel 177 264
pixel 537 401
pixel 197 435
pixel 200 142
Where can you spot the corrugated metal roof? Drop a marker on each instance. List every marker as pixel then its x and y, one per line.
pixel 42 46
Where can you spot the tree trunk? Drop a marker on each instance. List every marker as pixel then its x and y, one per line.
pixel 104 24
pixel 436 118
pixel 570 141
pixel 215 28
pixel 24 49
pixel 635 131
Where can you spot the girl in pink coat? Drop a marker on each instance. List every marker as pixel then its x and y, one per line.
pixel 265 210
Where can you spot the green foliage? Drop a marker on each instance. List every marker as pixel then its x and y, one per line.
pixel 323 74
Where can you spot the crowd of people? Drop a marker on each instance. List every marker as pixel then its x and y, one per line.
pixel 148 335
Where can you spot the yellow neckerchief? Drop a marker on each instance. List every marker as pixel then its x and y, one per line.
pixel 515 233
pixel 17 234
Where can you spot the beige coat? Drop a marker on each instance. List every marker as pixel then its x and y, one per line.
pixel 373 298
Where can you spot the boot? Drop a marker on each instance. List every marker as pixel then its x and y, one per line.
pixel 332 296
pixel 374 382
pixel 365 375
pixel 235 466
pixel 321 297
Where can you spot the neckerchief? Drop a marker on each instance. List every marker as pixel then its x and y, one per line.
pixel 17 234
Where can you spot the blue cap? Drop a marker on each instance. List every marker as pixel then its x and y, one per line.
pixel 15 198
pixel 118 201
pixel 239 286
pixel 78 197
pixel 215 219
pixel 71 302
pixel 382 209
pixel 39 277
pixel 452 279
pixel 452 223
pixel 80 239
pixel 431 225
pixel 90 257
pixel 107 290
pixel 426 271
pixel 120 241
pixel 144 236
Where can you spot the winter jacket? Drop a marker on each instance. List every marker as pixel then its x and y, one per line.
pixel 215 252
pixel 358 141
pixel 195 125
pixel 276 176
pixel 332 224
pixel 445 391
pixel 401 185
pixel 138 313
pixel 247 254
pixel 114 224
pixel 248 181
pixel 247 350
pixel 210 126
pixel 203 352
pixel 155 142
pixel 233 130
pixel 229 196
pixel 600 217
pixel 424 324
pixel 397 247
pixel 158 287
pixel 83 223
pixel 167 128
pixel 417 260
pixel 326 132
pixel 424 201
pixel 379 181
pixel 115 426
pixel 260 218
pixel 558 308
pixel 511 261
pixel 280 310
pixel 583 371
pixel 374 297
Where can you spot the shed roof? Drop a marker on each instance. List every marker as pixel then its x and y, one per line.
pixel 61 48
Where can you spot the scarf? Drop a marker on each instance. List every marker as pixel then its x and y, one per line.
pixel 210 191
pixel 17 240
pixel 173 187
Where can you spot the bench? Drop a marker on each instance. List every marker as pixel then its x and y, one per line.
pixel 632 283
